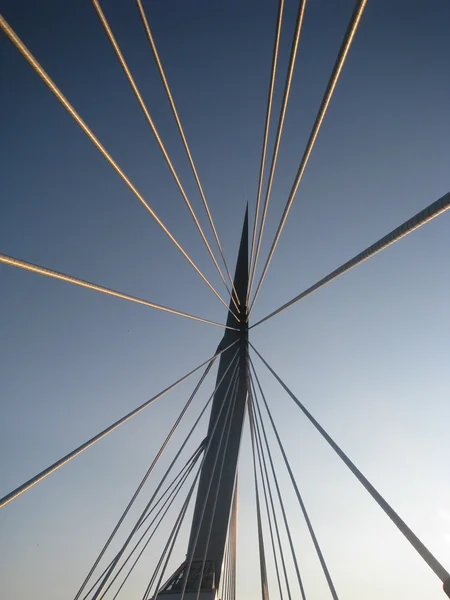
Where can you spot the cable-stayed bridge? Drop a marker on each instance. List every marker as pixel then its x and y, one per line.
pixel 208 481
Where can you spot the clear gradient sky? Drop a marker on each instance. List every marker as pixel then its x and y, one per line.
pixel 368 354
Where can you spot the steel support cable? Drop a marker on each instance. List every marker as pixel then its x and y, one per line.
pixel 262 558
pixel 144 108
pixel 232 534
pixel 264 478
pixel 231 386
pixel 188 465
pixel 155 493
pixel 227 574
pixel 183 137
pixel 283 511
pixel 233 525
pixel 345 46
pixel 227 425
pixel 230 572
pixel 170 542
pixel 63 100
pixel 166 507
pixel 224 575
pixel 21 264
pixel 263 464
pixel 68 457
pixel 146 476
pixel 295 486
pixel 424 216
pixel 224 579
pixel 174 486
pixel 172 545
pixel 431 561
pixel 273 72
pixel 287 89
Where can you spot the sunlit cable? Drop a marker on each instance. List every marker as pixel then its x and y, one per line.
pixel 182 134
pixel 276 45
pixel 350 33
pixel 424 216
pixel 68 457
pixel 143 106
pixel 21 264
pixel 51 85
pixel 287 89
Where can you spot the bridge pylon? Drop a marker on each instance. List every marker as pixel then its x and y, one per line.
pixel 216 503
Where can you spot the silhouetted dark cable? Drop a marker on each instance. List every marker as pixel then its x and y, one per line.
pixel 52 468
pixel 193 459
pixel 170 542
pixel 345 46
pixel 231 386
pixel 431 561
pixel 164 510
pixel 227 426
pixel 287 89
pixel 280 499
pixel 175 485
pixel 183 137
pixel 11 34
pixel 144 512
pixel 225 572
pixel 159 141
pixel 266 490
pixel 266 128
pixel 295 486
pixel 424 216
pixel 262 556
pixel 146 476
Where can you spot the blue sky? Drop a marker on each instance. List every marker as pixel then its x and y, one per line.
pixel 368 354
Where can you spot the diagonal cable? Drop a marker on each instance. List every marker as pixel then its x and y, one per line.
pixel 224 574
pixel 231 388
pixel 431 561
pixel 345 46
pixel 144 108
pixel 287 89
pixel 166 507
pixel 273 72
pixel 51 85
pixel 21 264
pixel 146 476
pixel 182 134
pixel 280 499
pixel 267 492
pixel 424 216
pixel 68 457
pixel 171 489
pixel 231 385
pixel 262 557
pixel 155 493
pixel 168 549
pixel 294 484
pixel 227 426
